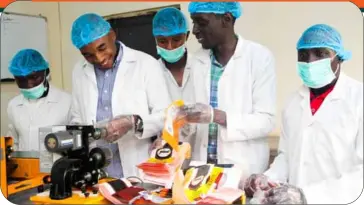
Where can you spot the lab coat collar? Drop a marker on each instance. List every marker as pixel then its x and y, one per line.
pixel 50 98
pixel 188 63
pixel 204 54
pixel 337 93
pixel 186 73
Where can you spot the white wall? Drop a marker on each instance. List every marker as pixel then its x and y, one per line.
pixel 50 11
pixel 275 25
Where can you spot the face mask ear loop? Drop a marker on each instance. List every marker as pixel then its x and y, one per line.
pixel 44 80
pixel 337 69
pixel 338 65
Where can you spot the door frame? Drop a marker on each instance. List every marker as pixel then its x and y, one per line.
pixel 139 12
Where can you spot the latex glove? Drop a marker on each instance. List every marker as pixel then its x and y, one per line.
pixel 257 182
pixel 259 197
pixel 197 113
pixel 187 132
pixel 286 194
pixel 116 127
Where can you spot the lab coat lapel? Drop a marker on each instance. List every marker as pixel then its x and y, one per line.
pixel 202 72
pixel 239 52
pixel 336 94
pixel 226 85
pixel 92 95
pixel 339 89
pixel 305 106
pixel 25 118
pixel 127 62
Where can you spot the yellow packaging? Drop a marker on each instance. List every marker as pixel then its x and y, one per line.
pixel 243 198
pixel 172 125
pixel 201 185
pixel 170 135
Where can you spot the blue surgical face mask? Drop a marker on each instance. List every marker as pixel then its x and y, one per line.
pixel 172 56
pixel 35 92
pixel 316 74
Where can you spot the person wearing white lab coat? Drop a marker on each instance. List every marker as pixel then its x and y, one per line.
pixel 40 104
pixel 114 80
pixel 241 104
pixel 170 29
pixel 321 144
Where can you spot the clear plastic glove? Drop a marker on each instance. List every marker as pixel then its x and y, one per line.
pixel 116 127
pixel 187 132
pixel 286 194
pixel 257 182
pixel 197 113
pixel 259 197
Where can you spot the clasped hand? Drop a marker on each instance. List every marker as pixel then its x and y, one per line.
pixel 264 191
pixel 196 113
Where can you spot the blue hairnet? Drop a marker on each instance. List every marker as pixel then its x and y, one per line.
pixel 27 61
pixel 323 36
pixel 88 28
pixel 169 22
pixel 216 7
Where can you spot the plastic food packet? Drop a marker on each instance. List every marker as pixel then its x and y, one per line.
pixel 173 123
pixel 224 196
pixel 163 164
pixel 199 185
pixel 167 159
pixel 203 180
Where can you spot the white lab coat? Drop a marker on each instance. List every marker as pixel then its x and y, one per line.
pixel 27 116
pixel 186 93
pixel 323 154
pixel 139 89
pixel 247 93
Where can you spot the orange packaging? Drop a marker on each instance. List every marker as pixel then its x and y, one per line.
pixel 173 123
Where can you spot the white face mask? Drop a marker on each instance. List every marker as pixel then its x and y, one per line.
pixel 317 74
pixel 35 92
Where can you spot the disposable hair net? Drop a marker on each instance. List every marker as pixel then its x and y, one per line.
pixel 169 22
pixel 27 61
pixel 323 36
pixel 88 28
pixel 216 7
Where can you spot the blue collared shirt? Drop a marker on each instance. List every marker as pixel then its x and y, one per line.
pixel 105 84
